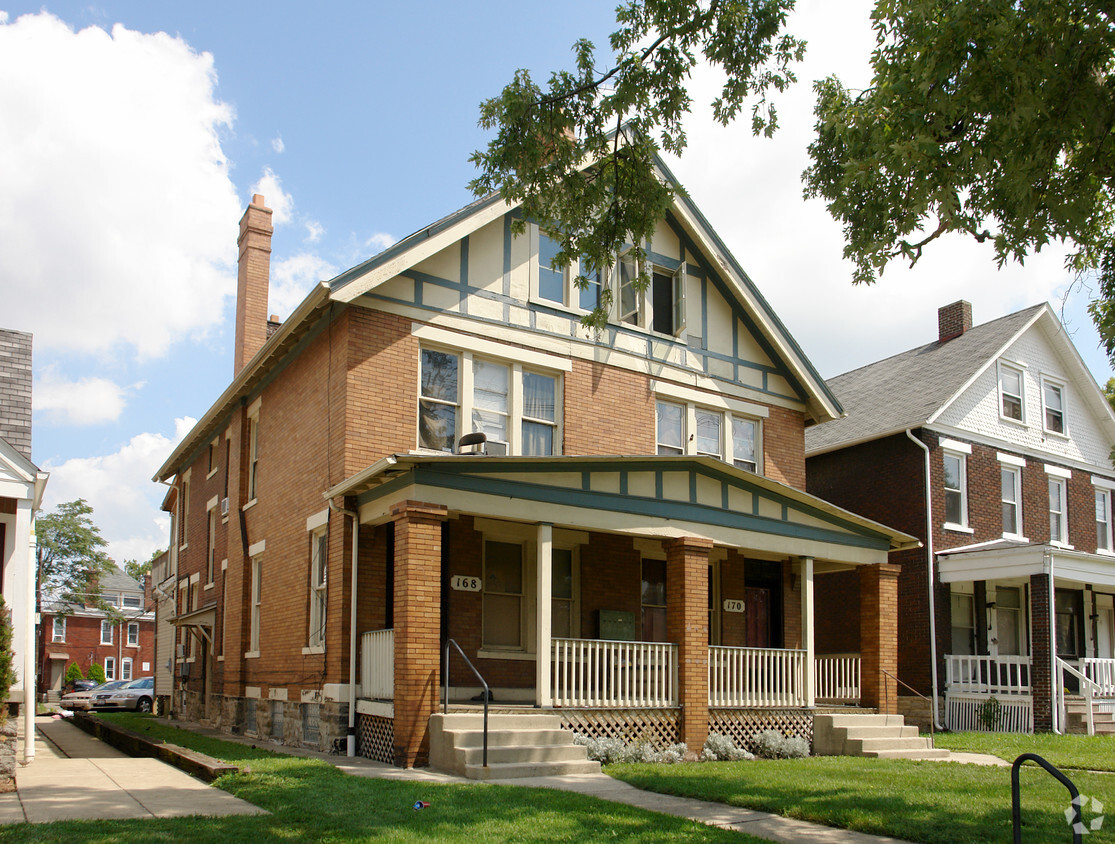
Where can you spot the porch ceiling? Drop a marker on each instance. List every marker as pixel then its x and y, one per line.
pixel 1000 561
pixel 657 497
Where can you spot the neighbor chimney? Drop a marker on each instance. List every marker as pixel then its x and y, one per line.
pixel 252 278
pixel 953 320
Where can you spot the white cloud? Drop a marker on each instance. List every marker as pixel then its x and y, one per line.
pixel 278 200
pixel 118 487
pixel 115 197
pixel 314 231
pixel 293 278
pixel 379 241
pixel 86 401
pixel 277 144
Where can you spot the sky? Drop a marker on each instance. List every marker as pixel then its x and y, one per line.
pixel 135 133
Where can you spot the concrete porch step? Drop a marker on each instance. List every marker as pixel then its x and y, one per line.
pixel 881 732
pixel 472 756
pixel 876 736
pixel 502 737
pixel 517 770
pixel 927 753
pixel 500 721
pixel 859 720
pixel 862 747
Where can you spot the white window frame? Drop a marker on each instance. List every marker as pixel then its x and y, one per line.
pixel 106 625
pixel 643 311
pixel 133 627
pixel 1015 472
pixel 1009 367
pixel 253 451
pixel 1059 518
pixel 319 585
pixel 55 636
pixel 571 294
pixel 184 521
pixel 131 602
pixel 126 668
pixel 1059 386
pixel 255 602
pixel 110 668
pixel 466 396
pixel 211 541
pixel 962 491
pixel 1105 492
pixel 689 417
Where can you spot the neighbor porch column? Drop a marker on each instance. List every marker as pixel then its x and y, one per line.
pixel 543 613
pixel 809 691
pixel 1042 650
pixel 687 560
pixel 417 626
pixel 878 630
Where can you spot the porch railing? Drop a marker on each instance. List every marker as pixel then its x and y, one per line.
pixel 604 673
pixel 838 678
pixel 1101 672
pixel 377 664
pixel 997 675
pixel 756 677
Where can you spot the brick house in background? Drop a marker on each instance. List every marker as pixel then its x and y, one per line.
pixel 635 524
pixel 85 634
pixel 1015 437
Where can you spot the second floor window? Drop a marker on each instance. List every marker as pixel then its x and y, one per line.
pixel 1103 520
pixel 59 632
pixel 1012 500
pixel 133 633
pixel 956 504
pixel 1058 521
pixel 685 429
pixel 253 455
pixel 106 632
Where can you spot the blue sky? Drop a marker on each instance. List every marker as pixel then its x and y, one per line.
pixel 133 147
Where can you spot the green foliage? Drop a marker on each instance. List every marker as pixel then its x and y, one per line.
pixel 991 118
pixel 70 558
pixel 615 120
pixel 990 714
pixel 7 667
pixel 137 570
pixel 96 673
pixel 73 672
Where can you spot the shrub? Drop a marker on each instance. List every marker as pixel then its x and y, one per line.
pixel 795 747
pixel 721 748
pixel 608 751
pixel 96 673
pixel 7 669
pixel 73 672
pixel 771 744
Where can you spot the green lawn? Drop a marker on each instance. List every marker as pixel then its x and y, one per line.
pixel 1090 753
pixel 313 801
pixel 919 801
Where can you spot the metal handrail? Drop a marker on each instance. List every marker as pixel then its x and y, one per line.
pixel 487 693
pixel 932 706
pixel 1016 797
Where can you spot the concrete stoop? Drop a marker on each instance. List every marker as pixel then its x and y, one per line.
pixel 1076 715
pixel 531 745
pixel 877 736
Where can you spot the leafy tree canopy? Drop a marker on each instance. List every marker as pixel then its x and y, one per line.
pixel 616 116
pixel 70 558
pixel 137 570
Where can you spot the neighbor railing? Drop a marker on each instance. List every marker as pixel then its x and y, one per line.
pixel 604 673
pixel 997 675
pixel 377 664
pixel 1065 674
pixel 1101 672
pixel 837 678
pixel 756 677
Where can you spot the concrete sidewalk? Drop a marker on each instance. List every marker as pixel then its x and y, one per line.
pixel 77 777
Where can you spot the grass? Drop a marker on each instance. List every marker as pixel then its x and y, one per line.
pixel 1089 753
pixel 310 800
pixel 931 802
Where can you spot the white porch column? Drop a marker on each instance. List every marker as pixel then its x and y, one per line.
pixel 543 612
pixel 810 676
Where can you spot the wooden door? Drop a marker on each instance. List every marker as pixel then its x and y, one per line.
pixel 757 615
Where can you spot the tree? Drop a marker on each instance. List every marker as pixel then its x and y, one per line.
pixel 96 673
pixel 991 118
pixel 70 558
pixel 1109 392
pixel 73 672
pixel 137 570
pixel 615 120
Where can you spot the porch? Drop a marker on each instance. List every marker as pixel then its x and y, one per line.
pixel 571 593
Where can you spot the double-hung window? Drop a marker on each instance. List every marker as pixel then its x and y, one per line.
pixel 504 596
pixel 710 438
pixel 563 589
pixel 318 584
pixel 110 668
pixel 956 509
pixel 1053 407
pixel 1011 384
pixel 1010 621
pixel 1011 499
pixel 654 601
pixel 126 668
pixel 133 633
pixel 1058 510
pixel 255 605
pixel 58 634
pixel 689 429
pixel 106 632
pixel 1103 519
pixel 211 542
pixel 253 450
pixel 576 286
pixel 515 407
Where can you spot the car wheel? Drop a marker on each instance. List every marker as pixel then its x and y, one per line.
pixel 143 705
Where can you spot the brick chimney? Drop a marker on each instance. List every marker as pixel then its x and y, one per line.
pixel 953 320
pixel 252 280
pixel 15 390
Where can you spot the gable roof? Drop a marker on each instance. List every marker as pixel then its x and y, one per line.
pixel 910 389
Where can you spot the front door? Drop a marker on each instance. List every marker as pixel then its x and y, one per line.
pixel 1069 611
pixel 757 614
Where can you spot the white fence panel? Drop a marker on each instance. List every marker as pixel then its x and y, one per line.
pixel 748 677
pixel 977 712
pixel 838 678
pixel 1102 673
pixel 605 673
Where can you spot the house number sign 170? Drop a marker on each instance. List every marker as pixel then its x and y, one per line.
pixel 733 605
pixel 465 584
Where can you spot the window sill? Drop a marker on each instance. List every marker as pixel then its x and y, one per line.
pixel 313 649
pixel 1107 552
pixel 1059 435
pixel 1064 546
pixel 251 655
pixel 133 647
pixel 1020 423
pixel 518 655
pixel 957 528
pixel 212 472
pixel 210 585
pixel 249 505
pixel 1015 537
pixel 221 658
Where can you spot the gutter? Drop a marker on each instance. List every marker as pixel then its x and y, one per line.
pixel 929 565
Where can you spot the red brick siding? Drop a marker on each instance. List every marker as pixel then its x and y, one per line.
pixel 608 411
pixel 83 645
pixel 784 446
pixel 687 625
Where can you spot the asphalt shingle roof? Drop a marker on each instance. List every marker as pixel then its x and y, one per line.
pixel 905 390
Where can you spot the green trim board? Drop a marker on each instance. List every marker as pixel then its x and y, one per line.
pixel 438 477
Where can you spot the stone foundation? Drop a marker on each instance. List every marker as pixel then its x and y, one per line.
pixel 281 722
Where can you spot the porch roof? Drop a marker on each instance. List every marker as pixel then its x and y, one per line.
pixel 652 496
pixel 1006 558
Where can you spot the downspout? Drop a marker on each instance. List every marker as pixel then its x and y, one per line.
pixel 929 568
pixel 350 744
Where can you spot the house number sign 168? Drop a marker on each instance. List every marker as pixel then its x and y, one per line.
pixel 465 584
pixel 733 605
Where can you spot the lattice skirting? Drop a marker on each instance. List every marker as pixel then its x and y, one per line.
pixel 742 725
pixel 659 727
pixel 1010 714
pixel 375 738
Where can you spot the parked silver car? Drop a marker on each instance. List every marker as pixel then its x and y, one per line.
pixel 84 700
pixel 138 695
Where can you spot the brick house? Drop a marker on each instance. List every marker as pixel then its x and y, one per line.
pixel 21 493
pixel 124 647
pixel 1014 436
pixel 635 524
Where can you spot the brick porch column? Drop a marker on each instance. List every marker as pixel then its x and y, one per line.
pixel 878 632
pixel 687 626
pixel 1041 652
pixel 417 626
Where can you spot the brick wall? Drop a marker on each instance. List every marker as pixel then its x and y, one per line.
pixel 687 625
pixel 608 411
pixel 784 447
pixel 83 646
pixel 15 390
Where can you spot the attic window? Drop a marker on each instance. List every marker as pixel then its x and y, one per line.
pixel 1053 402
pixel 1010 392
